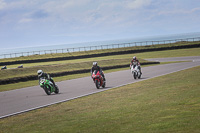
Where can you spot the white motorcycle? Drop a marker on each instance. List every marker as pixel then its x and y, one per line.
pixel 135 71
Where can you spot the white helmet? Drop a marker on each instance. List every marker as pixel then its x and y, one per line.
pixel 134 58
pixel 94 63
pixel 40 72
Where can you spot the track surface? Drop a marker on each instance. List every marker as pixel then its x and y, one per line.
pixel 26 99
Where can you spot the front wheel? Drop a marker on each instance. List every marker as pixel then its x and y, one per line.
pixel 56 89
pixel 139 75
pixel 134 75
pixel 104 84
pixel 97 84
pixel 47 90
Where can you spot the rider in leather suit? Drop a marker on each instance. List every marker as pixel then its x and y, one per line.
pixel 134 62
pixel 96 67
pixel 41 74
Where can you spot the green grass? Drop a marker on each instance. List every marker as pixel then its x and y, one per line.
pixel 160 54
pixel 170 53
pixel 165 104
pixel 10 73
pixel 77 64
pixel 58 66
pixel 169 103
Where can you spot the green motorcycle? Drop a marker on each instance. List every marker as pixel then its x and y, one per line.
pixel 48 86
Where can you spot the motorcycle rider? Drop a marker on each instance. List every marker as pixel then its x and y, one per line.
pixel 96 67
pixel 135 62
pixel 41 74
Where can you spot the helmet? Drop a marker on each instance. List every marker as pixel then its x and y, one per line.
pixel 94 63
pixel 134 58
pixel 40 72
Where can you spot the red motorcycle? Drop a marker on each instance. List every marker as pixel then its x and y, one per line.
pixel 98 79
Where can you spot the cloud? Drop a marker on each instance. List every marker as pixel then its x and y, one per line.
pixel 2 4
pixel 34 16
pixel 137 4
pixel 17 5
pixel 25 20
pixel 76 13
pixel 63 6
pixel 179 11
pixel 195 10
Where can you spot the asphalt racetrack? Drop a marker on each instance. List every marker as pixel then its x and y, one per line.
pixel 22 100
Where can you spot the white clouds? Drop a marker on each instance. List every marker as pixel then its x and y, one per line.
pixel 137 4
pixel 2 4
pixel 16 5
pixel 25 20
pixel 89 12
pixel 63 6
pixel 75 12
pixel 96 17
pixel 195 10
pixel 179 11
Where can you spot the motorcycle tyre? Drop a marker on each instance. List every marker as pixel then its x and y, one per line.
pixel 139 76
pixel 134 75
pixel 97 84
pixel 104 84
pixel 47 90
pixel 56 89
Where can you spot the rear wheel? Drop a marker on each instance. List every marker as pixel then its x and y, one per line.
pixel 97 84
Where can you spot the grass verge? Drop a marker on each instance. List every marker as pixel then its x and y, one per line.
pixel 126 58
pixel 170 103
pixel 59 66
pixel 144 55
pixel 11 73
